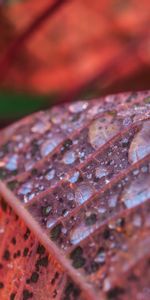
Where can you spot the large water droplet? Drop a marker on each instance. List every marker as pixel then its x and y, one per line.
pixel 102 130
pixel 50 145
pixel 41 127
pixel 80 233
pixel 140 146
pixel 83 193
pixel 137 192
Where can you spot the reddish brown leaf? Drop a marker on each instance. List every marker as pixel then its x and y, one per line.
pixel 78 179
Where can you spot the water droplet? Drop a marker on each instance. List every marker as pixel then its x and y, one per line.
pixel 78 107
pixel 137 192
pixel 50 222
pixel 101 256
pixel 144 169
pixel 101 172
pixel 50 175
pixel 80 233
pixel 25 188
pixel 102 210
pixel 49 145
pixel 135 172
pixel 57 117
pixel 140 146
pixel 69 157
pixel 74 177
pixel 102 130
pixel 41 127
pixel 12 163
pixel 83 193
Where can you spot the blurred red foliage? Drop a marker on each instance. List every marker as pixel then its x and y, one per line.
pixel 63 46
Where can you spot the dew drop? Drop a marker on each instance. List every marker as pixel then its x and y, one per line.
pixel 83 193
pixel 101 172
pixel 78 106
pixel 50 175
pixel 12 163
pixel 102 130
pixel 69 157
pixel 25 188
pixel 101 256
pixel 49 145
pixel 74 177
pixel 41 127
pixel 80 233
pixel 137 192
pixel 140 146
pixel 50 222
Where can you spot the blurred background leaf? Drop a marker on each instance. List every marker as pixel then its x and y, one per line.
pixel 59 50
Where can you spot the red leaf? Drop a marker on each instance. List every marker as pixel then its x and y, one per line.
pixel 64 45
pixel 78 177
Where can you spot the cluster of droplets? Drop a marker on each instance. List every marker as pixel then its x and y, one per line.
pixel 75 152
pixel 127 193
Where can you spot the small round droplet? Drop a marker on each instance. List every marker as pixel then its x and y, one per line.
pixel 12 163
pixel 50 175
pixel 78 107
pixel 69 158
pixel 101 256
pixel 83 193
pixel 101 172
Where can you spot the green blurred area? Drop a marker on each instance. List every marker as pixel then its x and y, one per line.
pixel 15 105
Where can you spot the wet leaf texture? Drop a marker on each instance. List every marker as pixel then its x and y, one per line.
pixel 79 177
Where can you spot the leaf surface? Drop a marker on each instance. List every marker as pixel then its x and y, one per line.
pixel 75 190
